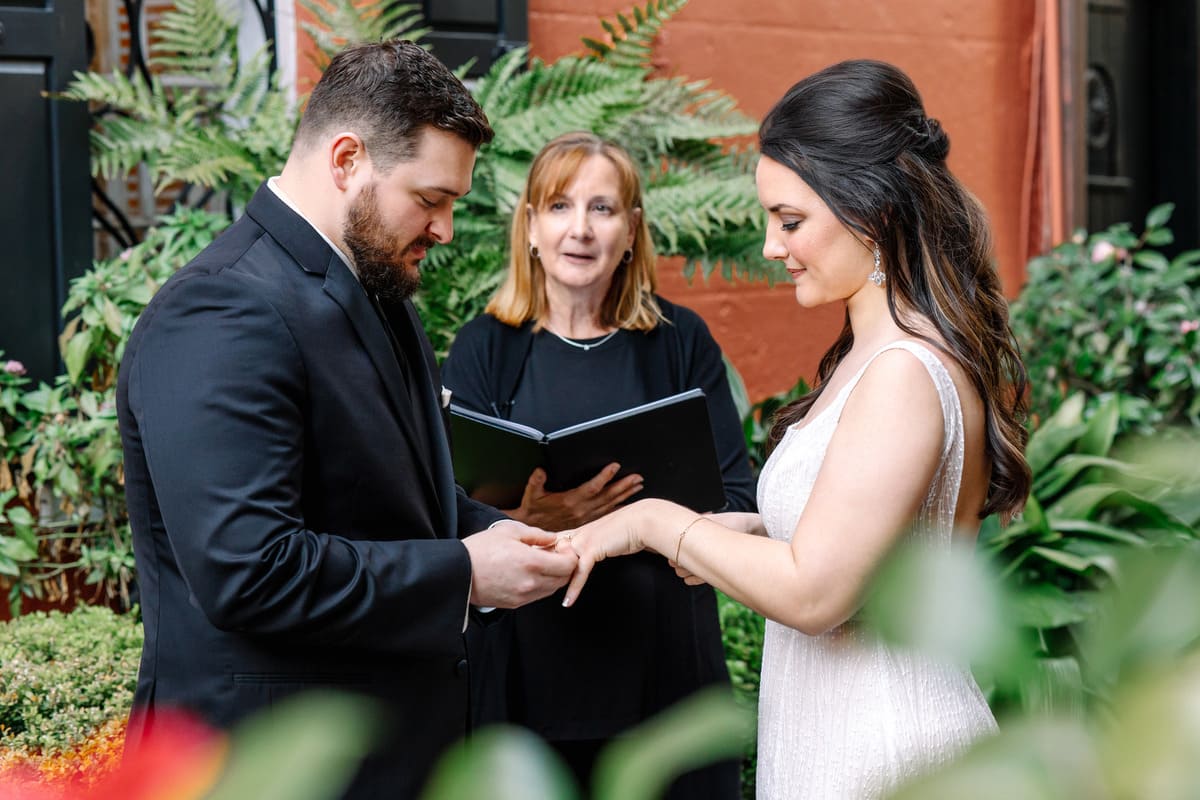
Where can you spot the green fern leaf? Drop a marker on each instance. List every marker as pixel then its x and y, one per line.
pixel 498 78
pixel 633 44
pixel 342 22
pixel 527 131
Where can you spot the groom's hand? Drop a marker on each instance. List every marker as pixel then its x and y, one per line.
pixel 513 564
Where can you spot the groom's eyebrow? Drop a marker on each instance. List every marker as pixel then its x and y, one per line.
pixel 448 192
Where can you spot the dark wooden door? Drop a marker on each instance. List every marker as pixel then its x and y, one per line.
pixel 1142 113
pixel 45 208
pixel 482 30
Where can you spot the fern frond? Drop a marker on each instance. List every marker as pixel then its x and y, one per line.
pixel 527 131
pixel 269 130
pixel 498 77
pixel 197 38
pixel 543 84
pixel 131 95
pixel 695 209
pixel 122 143
pixel 206 158
pixel 343 22
pixel 503 179
pixel 633 42
pixel 242 99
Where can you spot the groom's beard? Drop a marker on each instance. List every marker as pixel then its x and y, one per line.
pixel 386 268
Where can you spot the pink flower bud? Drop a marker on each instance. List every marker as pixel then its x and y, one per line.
pixel 1102 250
pixel 14 368
pixel 1189 325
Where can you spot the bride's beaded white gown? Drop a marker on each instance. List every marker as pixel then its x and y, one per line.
pixel 842 715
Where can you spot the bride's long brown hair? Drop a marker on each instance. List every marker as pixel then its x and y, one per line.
pixel 857 134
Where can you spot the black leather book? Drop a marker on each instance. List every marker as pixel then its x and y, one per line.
pixel 668 442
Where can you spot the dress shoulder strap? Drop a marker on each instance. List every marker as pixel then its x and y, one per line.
pixel 947 391
pixel 939 508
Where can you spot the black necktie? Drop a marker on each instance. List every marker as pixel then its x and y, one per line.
pixel 401 357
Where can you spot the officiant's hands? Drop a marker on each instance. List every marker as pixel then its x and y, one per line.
pixel 560 511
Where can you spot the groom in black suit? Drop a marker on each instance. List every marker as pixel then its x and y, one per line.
pixel 295 519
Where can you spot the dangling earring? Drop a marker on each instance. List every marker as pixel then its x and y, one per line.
pixel 533 252
pixel 627 257
pixel 877 276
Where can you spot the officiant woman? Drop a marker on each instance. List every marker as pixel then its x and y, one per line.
pixel 575 332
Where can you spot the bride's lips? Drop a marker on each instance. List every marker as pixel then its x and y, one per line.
pixel 579 258
pixel 797 272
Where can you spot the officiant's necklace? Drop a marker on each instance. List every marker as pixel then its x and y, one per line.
pixel 585 346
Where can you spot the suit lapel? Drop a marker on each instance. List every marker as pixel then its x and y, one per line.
pixel 345 290
pixel 427 396
pixel 312 254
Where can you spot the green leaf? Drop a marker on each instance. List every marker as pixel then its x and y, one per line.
pixel 1050 441
pixel 1098 530
pixel 67 480
pixel 1062 559
pixel 1033 516
pixel 1045 605
pixel 19 516
pixel 1101 429
pixel 501 762
pixel 1151 259
pixel 697 731
pixel 1084 502
pixel 1159 215
pixel 1157 238
pixel 15 549
pixel 1068 467
pixel 77 351
pixel 113 318
pixel 305 748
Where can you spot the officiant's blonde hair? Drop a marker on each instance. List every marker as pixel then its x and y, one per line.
pixel 630 302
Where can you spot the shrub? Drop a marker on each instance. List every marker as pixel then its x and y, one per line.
pixel 1089 508
pixel 61 477
pixel 742 633
pixel 1110 314
pixel 63 676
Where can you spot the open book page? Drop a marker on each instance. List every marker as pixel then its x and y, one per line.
pixel 668 442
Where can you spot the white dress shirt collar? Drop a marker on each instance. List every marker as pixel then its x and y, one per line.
pixel 273 185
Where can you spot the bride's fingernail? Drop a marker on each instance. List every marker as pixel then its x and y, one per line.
pixel 567 601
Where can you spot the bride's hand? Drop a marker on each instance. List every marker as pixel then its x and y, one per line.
pixel 618 534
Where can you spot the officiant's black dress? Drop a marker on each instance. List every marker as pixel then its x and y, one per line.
pixel 638 639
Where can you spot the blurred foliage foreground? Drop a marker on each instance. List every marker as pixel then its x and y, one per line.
pixel 1123 726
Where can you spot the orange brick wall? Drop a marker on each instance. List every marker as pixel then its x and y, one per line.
pixel 969 60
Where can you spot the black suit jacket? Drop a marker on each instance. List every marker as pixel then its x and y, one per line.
pixel 295 520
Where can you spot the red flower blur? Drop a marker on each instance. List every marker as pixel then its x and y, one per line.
pixel 179 759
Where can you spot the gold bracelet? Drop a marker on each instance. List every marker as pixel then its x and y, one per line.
pixel 682 533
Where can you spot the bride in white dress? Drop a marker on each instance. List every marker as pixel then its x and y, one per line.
pixel 914 430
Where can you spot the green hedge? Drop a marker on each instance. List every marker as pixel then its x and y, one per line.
pixel 63 675
pixel 742 631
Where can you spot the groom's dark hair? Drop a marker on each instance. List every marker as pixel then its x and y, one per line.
pixel 386 93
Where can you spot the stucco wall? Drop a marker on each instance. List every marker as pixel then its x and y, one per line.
pixel 969 60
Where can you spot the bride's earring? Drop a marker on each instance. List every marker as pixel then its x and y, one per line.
pixel 877 276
